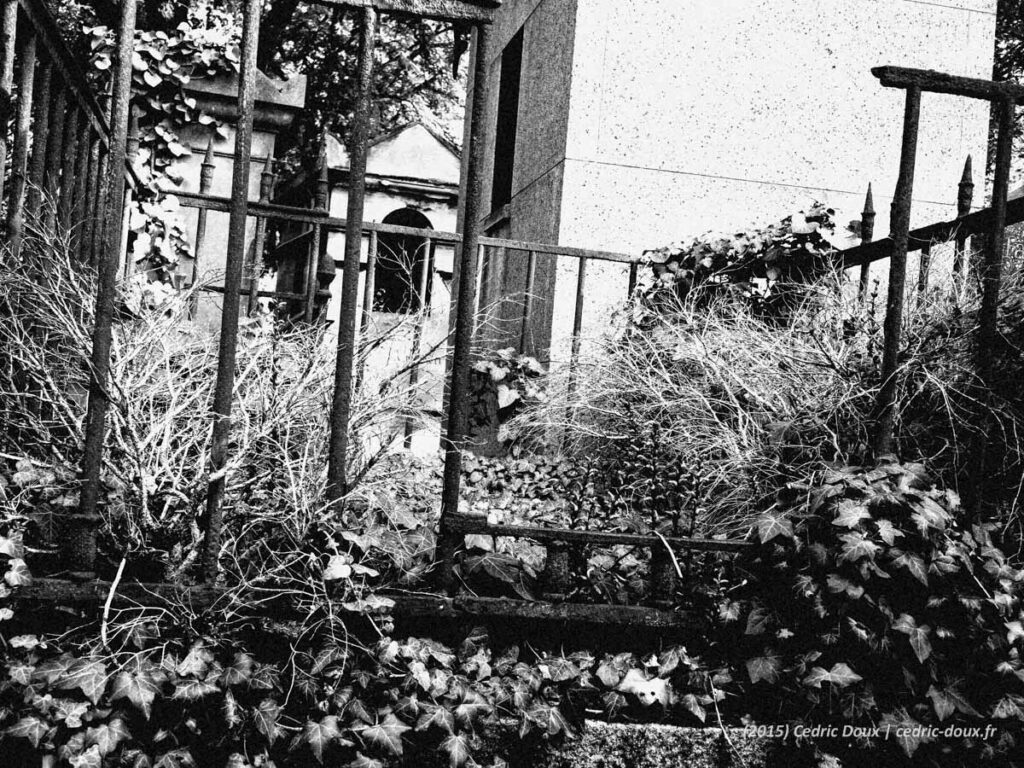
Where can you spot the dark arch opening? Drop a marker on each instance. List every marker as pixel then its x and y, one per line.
pixel 401 261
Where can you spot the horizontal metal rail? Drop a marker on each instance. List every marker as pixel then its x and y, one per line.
pixel 471 524
pixel 441 10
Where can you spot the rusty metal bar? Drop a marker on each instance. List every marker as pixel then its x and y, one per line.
pixel 99 233
pixel 940 82
pixel 924 268
pixel 426 272
pixel 867 231
pixel 964 198
pixel 577 326
pixel 631 287
pixel 80 174
pixel 224 388
pixel 531 279
pixel 465 302
pixel 205 183
pixel 369 284
pixel 54 155
pixel 893 325
pixel 256 262
pixel 40 129
pixel 556 576
pixel 8 41
pixel 131 154
pixel 68 162
pixel 92 201
pixel 82 540
pixel 320 204
pixel 992 266
pixel 22 139
pixel 441 10
pixel 337 483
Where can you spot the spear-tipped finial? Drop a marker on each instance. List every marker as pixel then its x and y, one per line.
pixel 208 158
pixel 267 178
pixel 968 176
pixel 322 188
pixel 869 201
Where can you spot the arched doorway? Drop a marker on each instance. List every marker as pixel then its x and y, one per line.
pixel 401 261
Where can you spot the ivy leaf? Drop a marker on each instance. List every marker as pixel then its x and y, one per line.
pixel 764 668
pixel 857 545
pixel 108 735
pixel 837 583
pixel 915 565
pixel 139 688
pixel 50 671
pixel 176 758
pixel 70 712
pixel 757 621
pixel 90 758
pixel 362 761
pixel 609 675
pixel 231 710
pixel 850 514
pixel 457 747
pixel 548 718
pixel 907 731
pixel 266 717
pixel 1010 706
pixel 440 718
pixel 385 735
pixel 888 532
pixel 31 728
pixel 193 690
pixel 918 635
pixel 17 574
pixel 1015 630
pixel 561 669
pixel 240 671
pixel 943 704
pixel 472 707
pixel 319 735
pixel 770 526
pixel 693 706
pixel 840 675
pixel 88 675
pixel 11 547
pixel 196 661
pixel 338 567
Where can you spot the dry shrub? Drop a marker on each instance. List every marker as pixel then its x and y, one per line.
pixel 756 404
pixel 163 369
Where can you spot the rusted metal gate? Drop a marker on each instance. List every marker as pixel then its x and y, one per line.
pixel 82 166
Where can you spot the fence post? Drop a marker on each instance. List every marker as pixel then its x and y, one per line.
pixel 131 154
pixel 417 333
pixel 993 263
pixel 22 137
pixel 468 263
pixel 205 184
pixel 40 129
pixel 256 263
pixel 577 326
pixel 867 232
pixel 531 279
pixel 81 541
pixel 67 167
pixel 924 267
pixel 223 392
pixel 964 198
pixel 80 174
pixel 893 325
pixel 313 264
pixel 337 482
pixel 54 153
pixel 8 39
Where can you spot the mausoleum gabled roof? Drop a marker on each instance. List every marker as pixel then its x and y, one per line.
pixel 412 151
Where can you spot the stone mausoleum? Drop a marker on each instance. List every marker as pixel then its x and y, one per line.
pixel 628 124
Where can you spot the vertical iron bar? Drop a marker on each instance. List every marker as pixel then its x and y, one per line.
pixel 893 324
pixel 92 199
pixel 99 232
pixel 8 41
pixel 22 138
pixel 531 279
pixel 232 289
pixel 67 166
pixel 867 232
pixel 84 550
pixel 78 197
pixel 417 332
pixel 205 184
pixel 992 266
pixel 577 325
pixel 369 284
pixel 465 300
pixel 337 484
pixel 131 154
pixel 964 198
pixel 40 129
pixel 54 155
pixel 256 263
pixel 923 270
pixel 320 203
pixel 632 280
